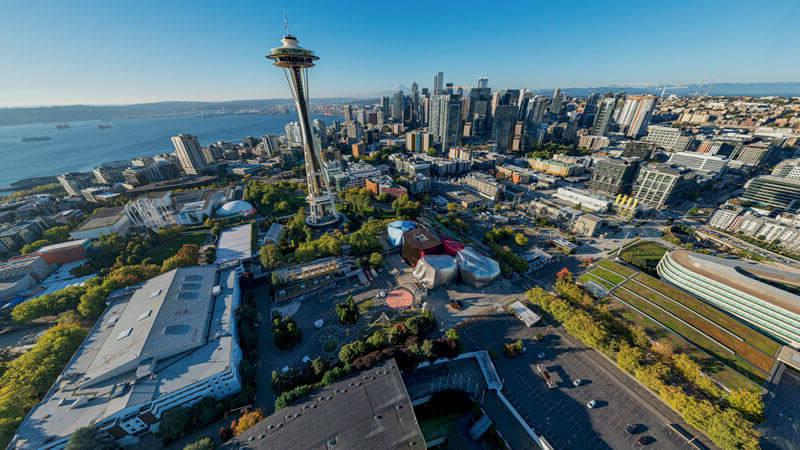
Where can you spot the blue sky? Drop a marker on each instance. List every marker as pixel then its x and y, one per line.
pixel 119 51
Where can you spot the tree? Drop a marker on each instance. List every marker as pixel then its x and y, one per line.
pixel 351 351
pixel 347 311
pixel 432 152
pixel 89 438
pixel 270 256
pixel 520 239
pixel 247 420
pixel 376 260
pixel 173 424
pixel 204 443
pixel 405 207
pixel 452 334
pixel 187 255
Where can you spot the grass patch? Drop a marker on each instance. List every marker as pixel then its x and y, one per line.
pixel 366 305
pixel 589 276
pixel 644 254
pixel 711 366
pixel 607 275
pixel 742 349
pixel 751 336
pixel 615 267
pixel 691 335
pixel 168 249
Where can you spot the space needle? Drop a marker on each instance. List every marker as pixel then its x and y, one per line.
pixel 295 61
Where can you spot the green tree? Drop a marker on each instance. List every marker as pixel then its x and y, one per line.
pixel 173 424
pixel 750 404
pixel 404 207
pixel 89 438
pixel 270 256
pixel 351 351
pixel 347 311
pixel 520 239
pixel 376 260
pixel 432 152
pixel 204 443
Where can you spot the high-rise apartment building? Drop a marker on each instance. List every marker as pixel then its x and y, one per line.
pixel 658 185
pixel 483 83
pixel 190 154
pixel 557 103
pixel 635 115
pixel 602 118
pixel 505 117
pixel 668 138
pixel 613 176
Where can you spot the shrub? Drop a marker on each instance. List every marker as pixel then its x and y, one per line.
pixel 173 424
pixel 513 349
pixel 347 311
pixel 246 421
pixel 204 443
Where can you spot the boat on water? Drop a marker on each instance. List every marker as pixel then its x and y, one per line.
pixel 104 126
pixel 63 126
pixel 35 138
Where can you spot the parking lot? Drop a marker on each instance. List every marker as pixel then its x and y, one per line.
pixel 561 414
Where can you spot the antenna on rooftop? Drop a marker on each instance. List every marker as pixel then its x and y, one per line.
pixel 285 23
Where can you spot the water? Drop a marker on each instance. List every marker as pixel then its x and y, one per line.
pixel 83 146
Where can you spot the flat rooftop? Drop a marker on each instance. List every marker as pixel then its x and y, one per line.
pixel 369 409
pixel 235 244
pixel 104 217
pixel 169 334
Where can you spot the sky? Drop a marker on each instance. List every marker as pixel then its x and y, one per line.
pixel 120 51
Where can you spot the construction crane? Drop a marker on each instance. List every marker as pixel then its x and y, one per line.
pixel 664 89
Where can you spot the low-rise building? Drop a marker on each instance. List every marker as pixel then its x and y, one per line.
pixel 103 221
pixel 555 168
pixel 658 185
pixel 385 185
pixel 584 199
pixel 484 184
pixel 588 225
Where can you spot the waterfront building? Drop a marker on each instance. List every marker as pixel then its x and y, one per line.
pixel 190 154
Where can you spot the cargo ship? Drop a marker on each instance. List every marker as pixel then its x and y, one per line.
pixel 63 126
pixel 35 138
pixel 104 126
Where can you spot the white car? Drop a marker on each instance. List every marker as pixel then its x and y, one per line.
pixel 591 404
pixel 577 382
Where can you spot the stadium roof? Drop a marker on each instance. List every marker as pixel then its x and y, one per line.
pixel 369 409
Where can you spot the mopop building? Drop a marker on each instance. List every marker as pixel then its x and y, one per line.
pixel 295 61
pixel 763 296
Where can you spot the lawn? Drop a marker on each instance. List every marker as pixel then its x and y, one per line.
pixel 644 254
pixel 711 366
pixel 616 267
pixel 162 252
pixel 691 335
pixel 751 336
pixel 588 276
pixel 607 275
pixel 743 349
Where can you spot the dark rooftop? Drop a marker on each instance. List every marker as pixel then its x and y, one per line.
pixel 369 409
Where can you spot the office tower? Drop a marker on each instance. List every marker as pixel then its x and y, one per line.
pixel 668 138
pixel 641 117
pixel 385 102
pixel 533 115
pixel 294 136
pixel 789 168
pixel 613 176
pixel 415 102
pixel 754 154
pixel 603 117
pixel 557 103
pixel 637 149
pixel 505 117
pixel 295 61
pixel 190 155
pixel 438 83
pixel 477 111
pixel 658 185
pixel 445 120
pixel 348 113
pixel 775 192
pixel 398 104
pixel 483 83
pixel 593 99
pixel 418 141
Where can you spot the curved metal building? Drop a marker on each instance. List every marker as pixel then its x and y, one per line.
pixel 433 271
pixel 476 268
pixel 396 229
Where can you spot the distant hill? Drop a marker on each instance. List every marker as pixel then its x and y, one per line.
pixel 53 114
pixel 789 89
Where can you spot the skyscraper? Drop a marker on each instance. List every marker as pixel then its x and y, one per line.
pixel 445 120
pixel 557 103
pixel 438 83
pixel 398 105
pixel 190 154
pixel 296 60
pixel 483 83
pixel 603 117
pixel 505 117
pixel 641 116
pixel 348 114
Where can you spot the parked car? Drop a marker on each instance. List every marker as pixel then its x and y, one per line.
pixel 591 404
pixel 577 382
pixel 631 428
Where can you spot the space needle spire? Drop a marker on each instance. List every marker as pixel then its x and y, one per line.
pixel 296 61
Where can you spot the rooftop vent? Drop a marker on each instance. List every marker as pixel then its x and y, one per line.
pixel 145 314
pixel 124 333
pixel 155 293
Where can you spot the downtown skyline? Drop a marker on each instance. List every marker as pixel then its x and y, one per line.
pixel 122 54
